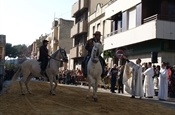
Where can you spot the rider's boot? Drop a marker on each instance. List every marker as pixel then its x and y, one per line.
pixel 85 72
pixel 103 73
pixel 42 72
pixel 103 64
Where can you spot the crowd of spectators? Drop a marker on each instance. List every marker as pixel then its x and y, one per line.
pixel 75 77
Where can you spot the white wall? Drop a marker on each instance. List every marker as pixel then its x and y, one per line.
pixel 151 30
pixel 120 5
pixel 100 21
pixel 135 35
pixel 71 64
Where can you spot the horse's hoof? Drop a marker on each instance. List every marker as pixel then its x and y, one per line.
pixel 87 97
pixel 95 99
pixel 53 94
pixel 50 92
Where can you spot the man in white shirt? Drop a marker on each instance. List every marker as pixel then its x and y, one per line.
pixel 163 83
pixel 133 72
pixel 148 86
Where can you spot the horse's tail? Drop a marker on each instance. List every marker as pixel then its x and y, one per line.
pixel 16 75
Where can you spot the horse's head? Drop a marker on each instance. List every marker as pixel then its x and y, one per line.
pixel 97 50
pixel 61 54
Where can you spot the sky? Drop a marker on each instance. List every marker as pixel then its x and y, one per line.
pixel 23 21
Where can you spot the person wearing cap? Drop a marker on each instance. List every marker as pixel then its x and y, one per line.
pixel 88 47
pixel 43 56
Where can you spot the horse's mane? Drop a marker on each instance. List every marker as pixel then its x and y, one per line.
pixel 55 53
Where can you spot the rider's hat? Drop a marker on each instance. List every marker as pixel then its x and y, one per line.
pixel 45 41
pixel 97 33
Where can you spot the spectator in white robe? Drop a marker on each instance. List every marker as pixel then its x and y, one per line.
pixel 163 83
pixel 132 78
pixel 148 86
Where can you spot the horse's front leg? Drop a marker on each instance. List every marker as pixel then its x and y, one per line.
pixel 55 81
pixel 93 84
pixel 21 87
pixel 89 88
pixel 26 84
pixel 51 85
pixel 95 90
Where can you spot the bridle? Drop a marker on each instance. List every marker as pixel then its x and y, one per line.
pixel 95 56
pixel 55 54
pixel 55 59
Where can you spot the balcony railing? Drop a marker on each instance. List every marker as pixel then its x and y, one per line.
pixel 81 51
pixel 74 52
pixel 154 17
pixel 83 26
pixel 75 29
pixel 83 4
pixel 114 32
pixel 159 17
pixel 75 8
pixel 151 18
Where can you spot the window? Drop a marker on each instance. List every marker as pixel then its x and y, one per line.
pixel 93 29
pixel 98 27
pixel 104 31
pixel 132 18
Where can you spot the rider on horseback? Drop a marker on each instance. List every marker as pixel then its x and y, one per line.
pixel 43 56
pixel 88 47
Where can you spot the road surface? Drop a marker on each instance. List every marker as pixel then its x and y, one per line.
pixel 72 101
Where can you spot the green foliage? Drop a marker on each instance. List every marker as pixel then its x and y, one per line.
pixel 108 54
pixel 9 66
pixel 17 50
pixel 10 51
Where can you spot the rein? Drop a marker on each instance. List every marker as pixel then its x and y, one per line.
pixel 55 58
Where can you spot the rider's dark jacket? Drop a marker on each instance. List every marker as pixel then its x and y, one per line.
pixel 89 45
pixel 43 53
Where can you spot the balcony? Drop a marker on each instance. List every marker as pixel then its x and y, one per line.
pixel 75 8
pixel 83 26
pixel 81 51
pixel 151 30
pixel 75 30
pixel 159 17
pixel 116 6
pixel 74 52
pixel 83 4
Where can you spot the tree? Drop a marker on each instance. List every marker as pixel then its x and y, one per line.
pixel 107 54
pixel 17 50
pixel 11 51
pixel 21 49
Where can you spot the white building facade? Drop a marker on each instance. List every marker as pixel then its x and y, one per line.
pixel 140 27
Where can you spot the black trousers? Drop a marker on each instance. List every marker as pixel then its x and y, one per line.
pixel 1 82
pixel 44 63
pixel 120 84
pixel 113 83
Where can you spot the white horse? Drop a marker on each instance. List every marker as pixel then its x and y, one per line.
pixel 94 69
pixel 31 68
